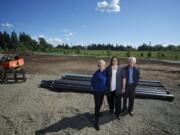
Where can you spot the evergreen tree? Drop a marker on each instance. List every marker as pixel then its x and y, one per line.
pixel 14 41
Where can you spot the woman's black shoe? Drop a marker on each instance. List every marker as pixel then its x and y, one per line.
pixel 131 113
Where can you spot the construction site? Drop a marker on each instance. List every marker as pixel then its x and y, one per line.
pixel 53 96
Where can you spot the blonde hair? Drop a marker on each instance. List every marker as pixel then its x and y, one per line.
pixel 101 62
pixel 132 59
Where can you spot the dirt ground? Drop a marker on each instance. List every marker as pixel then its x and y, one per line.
pixel 26 109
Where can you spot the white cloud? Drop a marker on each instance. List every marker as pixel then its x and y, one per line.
pixel 70 34
pixel 113 6
pixel 7 25
pixel 41 36
pixel 102 5
pixel 54 41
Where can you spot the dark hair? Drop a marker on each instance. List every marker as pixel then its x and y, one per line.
pixel 111 61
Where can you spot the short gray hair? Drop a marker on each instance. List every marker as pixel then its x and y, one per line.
pixel 133 59
pixel 101 61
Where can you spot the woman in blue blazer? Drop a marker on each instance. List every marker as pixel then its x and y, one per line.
pixel 99 84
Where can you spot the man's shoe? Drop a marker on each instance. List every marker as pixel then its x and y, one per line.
pixel 131 113
pixel 117 116
pixel 97 127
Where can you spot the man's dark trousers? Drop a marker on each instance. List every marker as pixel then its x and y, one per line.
pixel 129 93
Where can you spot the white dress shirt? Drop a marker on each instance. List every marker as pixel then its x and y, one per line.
pixel 113 79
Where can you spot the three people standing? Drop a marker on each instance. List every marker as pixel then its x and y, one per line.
pixel 117 82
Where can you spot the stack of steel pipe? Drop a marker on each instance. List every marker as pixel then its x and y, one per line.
pixel 81 83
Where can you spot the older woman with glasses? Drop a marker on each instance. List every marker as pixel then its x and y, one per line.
pixel 99 84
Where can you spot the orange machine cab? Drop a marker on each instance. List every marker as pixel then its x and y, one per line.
pixel 13 63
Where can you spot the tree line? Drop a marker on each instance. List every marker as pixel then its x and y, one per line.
pixel 24 41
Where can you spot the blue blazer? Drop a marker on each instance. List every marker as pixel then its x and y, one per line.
pixel 99 81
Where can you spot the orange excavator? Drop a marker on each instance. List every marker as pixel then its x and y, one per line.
pixel 11 68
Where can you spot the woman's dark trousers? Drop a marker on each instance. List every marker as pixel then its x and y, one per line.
pixel 98 98
pixel 114 101
pixel 111 100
